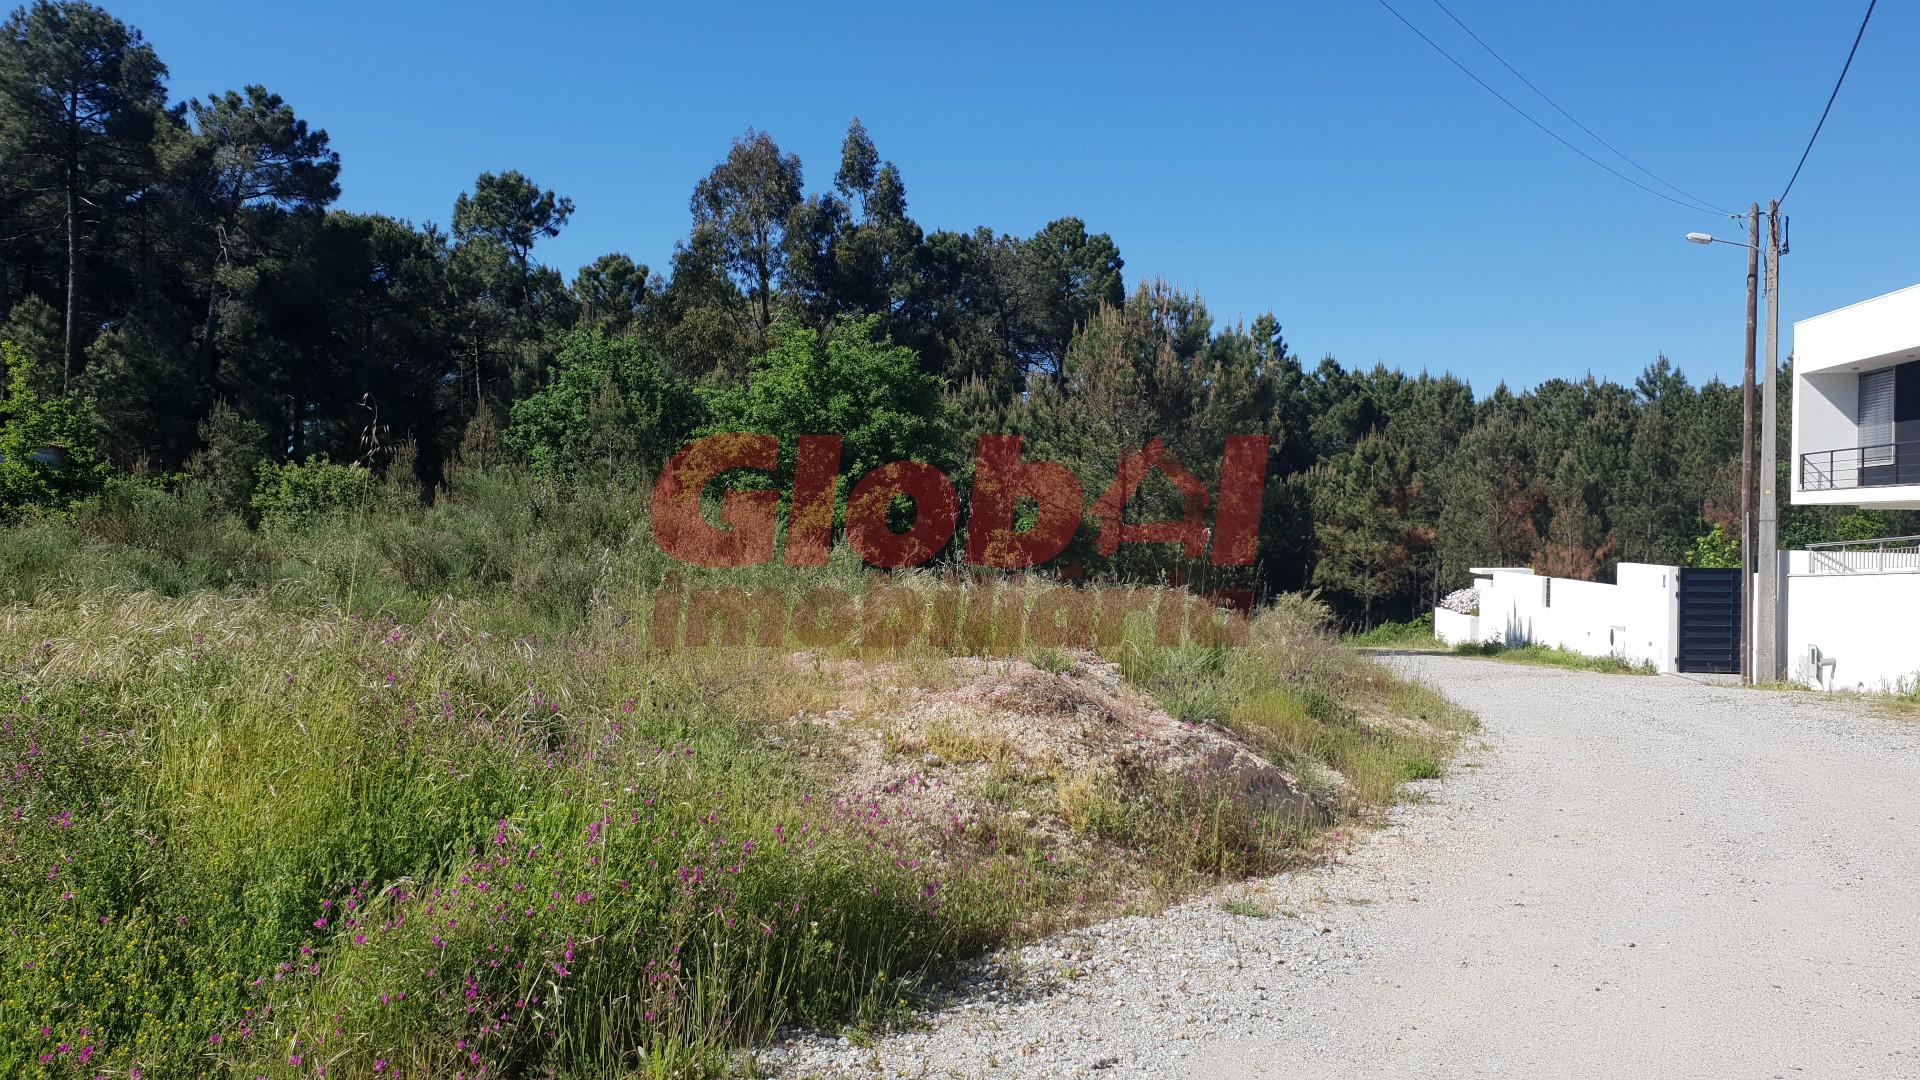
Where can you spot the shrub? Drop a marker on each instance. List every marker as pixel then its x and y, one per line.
pixel 611 406
pixel 855 384
pixel 1415 633
pixel 229 462
pixel 1715 550
pixel 49 446
pixel 295 492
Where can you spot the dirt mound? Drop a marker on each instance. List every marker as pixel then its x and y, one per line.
pixel 970 737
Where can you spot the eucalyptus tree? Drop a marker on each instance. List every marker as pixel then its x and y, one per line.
pixel 740 211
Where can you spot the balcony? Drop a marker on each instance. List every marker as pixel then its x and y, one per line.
pixel 1884 465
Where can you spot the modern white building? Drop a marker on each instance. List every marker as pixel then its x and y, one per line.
pixel 1848 608
pixel 1856 404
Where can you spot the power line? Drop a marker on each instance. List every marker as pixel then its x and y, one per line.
pixel 1528 117
pixel 1649 173
pixel 1836 93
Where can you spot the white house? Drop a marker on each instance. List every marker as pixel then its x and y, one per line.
pixel 1856 404
pixel 1856 442
pixel 1846 609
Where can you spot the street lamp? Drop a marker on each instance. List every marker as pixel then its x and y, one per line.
pixel 1705 238
pixel 1746 445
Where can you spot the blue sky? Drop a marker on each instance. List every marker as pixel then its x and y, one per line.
pixel 1311 158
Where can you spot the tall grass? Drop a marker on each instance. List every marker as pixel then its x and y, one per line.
pixel 1313 704
pixel 1416 633
pixel 412 794
pixel 234 840
pixel 1549 656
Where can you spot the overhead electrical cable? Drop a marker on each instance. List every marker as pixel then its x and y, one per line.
pixel 1528 117
pixel 1617 152
pixel 1844 68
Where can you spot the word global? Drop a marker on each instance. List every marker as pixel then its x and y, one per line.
pixel 1000 480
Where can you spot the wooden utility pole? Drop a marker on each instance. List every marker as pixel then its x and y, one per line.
pixel 1746 451
pixel 1767 593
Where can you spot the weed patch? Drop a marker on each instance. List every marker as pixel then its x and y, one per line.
pixel 245 835
pixel 1544 656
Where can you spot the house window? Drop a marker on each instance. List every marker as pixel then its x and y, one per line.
pixel 1876 418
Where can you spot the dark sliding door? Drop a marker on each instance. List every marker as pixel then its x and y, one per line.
pixel 1889 420
pixel 1906 423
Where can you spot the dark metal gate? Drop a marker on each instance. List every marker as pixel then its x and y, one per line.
pixel 1709 621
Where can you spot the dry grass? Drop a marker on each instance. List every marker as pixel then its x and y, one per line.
pixel 250 821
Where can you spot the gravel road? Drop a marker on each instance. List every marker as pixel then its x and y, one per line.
pixel 1633 877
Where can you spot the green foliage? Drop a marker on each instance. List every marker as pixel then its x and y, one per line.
pixel 1067 275
pixel 296 492
pixel 34 329
pixel 176 269
pixel 1319 708
pixel 1547 656
pixel 740 215
pixel 1415 633
pixel 355 791
pixel 1801 526
pixel 298 824
pixel 228 464
pixel 853 383
pixel 1245 909
pixel 1370 539
pixel 610 405
pixel 1860 525
pixel 49 450
pixel 613 292
pixel 81 101
pixel 512 211
pixel 1714 549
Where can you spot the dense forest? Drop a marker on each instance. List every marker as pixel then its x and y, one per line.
pixel 189 317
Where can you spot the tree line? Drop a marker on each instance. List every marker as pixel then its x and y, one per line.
pixel 185 306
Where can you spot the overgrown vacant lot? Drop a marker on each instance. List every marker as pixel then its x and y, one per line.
pixel 244 841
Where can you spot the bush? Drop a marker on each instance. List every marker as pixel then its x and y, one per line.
pixel 855 384
pixel 173 542
pixel 1554 657
pixel 227 466
pixel 1715 550
pixel 611 406
pixel 49 447
pixel 1416 633
pixel 295 492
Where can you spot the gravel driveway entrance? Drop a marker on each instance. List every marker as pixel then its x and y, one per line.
pixel 1642 877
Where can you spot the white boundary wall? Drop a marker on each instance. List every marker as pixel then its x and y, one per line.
pixel 1637 619
pixel 1455 628
pixel 1851 631
pixel 1840 631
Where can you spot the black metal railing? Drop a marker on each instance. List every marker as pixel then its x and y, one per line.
pixel 1861 467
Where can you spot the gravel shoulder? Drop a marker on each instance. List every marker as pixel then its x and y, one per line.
pixel 1630 877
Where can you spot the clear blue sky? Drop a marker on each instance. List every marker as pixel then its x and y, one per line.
pixel 1312 158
